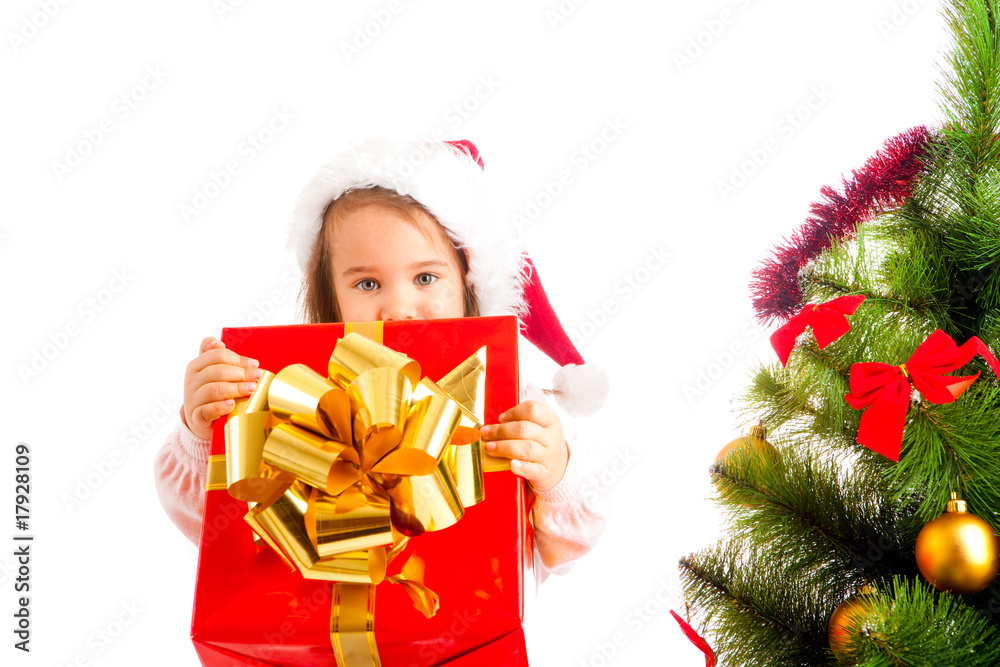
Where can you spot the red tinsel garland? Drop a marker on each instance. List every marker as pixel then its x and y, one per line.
pixel 885 181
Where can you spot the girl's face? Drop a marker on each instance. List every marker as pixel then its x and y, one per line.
pixel 385 267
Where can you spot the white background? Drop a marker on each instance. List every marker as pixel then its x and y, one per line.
pixel 867 67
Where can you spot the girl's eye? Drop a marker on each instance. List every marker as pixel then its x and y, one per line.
pixel 425 279
pixel 367 285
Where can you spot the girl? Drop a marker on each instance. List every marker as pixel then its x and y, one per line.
pixel 400 230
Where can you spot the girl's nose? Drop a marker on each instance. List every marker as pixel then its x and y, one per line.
pixel 397 307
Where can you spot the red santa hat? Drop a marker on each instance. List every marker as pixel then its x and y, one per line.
pixel 448 179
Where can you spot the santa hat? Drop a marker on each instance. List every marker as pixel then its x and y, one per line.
pixel 448 179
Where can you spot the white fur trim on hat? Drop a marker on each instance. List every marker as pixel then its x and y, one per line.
pixel 450 184
pixel 581 390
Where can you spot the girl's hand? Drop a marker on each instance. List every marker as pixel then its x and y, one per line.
pixel 212 381
pixel 531 436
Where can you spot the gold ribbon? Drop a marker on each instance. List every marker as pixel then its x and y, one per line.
pixel 216 480
pixel 352 625
pixel 339 472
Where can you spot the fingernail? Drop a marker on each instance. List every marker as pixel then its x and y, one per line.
pixel 251 386
pixel 490 446
pixel 257 374
pixel 515 463
pixel 229 404
pixel 252 363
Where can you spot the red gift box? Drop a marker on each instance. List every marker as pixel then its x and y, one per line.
pixel 251 609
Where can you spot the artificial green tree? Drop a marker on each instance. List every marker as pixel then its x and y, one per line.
pixel 917 233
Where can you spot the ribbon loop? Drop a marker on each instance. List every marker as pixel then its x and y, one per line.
pixel 351 522
pixel 356 354
pixel 828 321
pixel 885 390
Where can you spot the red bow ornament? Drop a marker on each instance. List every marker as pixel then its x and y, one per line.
pixel 828 321
pixel 695 639
pixel 887 389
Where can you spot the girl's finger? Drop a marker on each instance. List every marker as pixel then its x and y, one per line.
pixel 532 411
pixel 208 343
pixel 214 392
pixel 516 430
pixel 209 412
pixel 529 470
pixel 220 355
pixel 523 450
pixel 227 373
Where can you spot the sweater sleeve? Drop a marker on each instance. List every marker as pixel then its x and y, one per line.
pixel 569 518
pixel 180 470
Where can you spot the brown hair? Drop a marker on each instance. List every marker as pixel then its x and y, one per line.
pixel 318 298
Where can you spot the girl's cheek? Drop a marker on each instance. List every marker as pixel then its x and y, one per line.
pixel 448 302
pixel 352 309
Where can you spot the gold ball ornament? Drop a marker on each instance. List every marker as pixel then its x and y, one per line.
pixel 958 551
pixel 764 452
pixel 848 620
pixel 754 442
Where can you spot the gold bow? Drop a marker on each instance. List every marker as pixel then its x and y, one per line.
pixel 340 471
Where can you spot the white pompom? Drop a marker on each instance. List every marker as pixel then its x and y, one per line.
pixel 580 390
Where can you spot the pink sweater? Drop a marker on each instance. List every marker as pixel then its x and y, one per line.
pixel 568 519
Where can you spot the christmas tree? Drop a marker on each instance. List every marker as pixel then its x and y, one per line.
pixel 873 416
